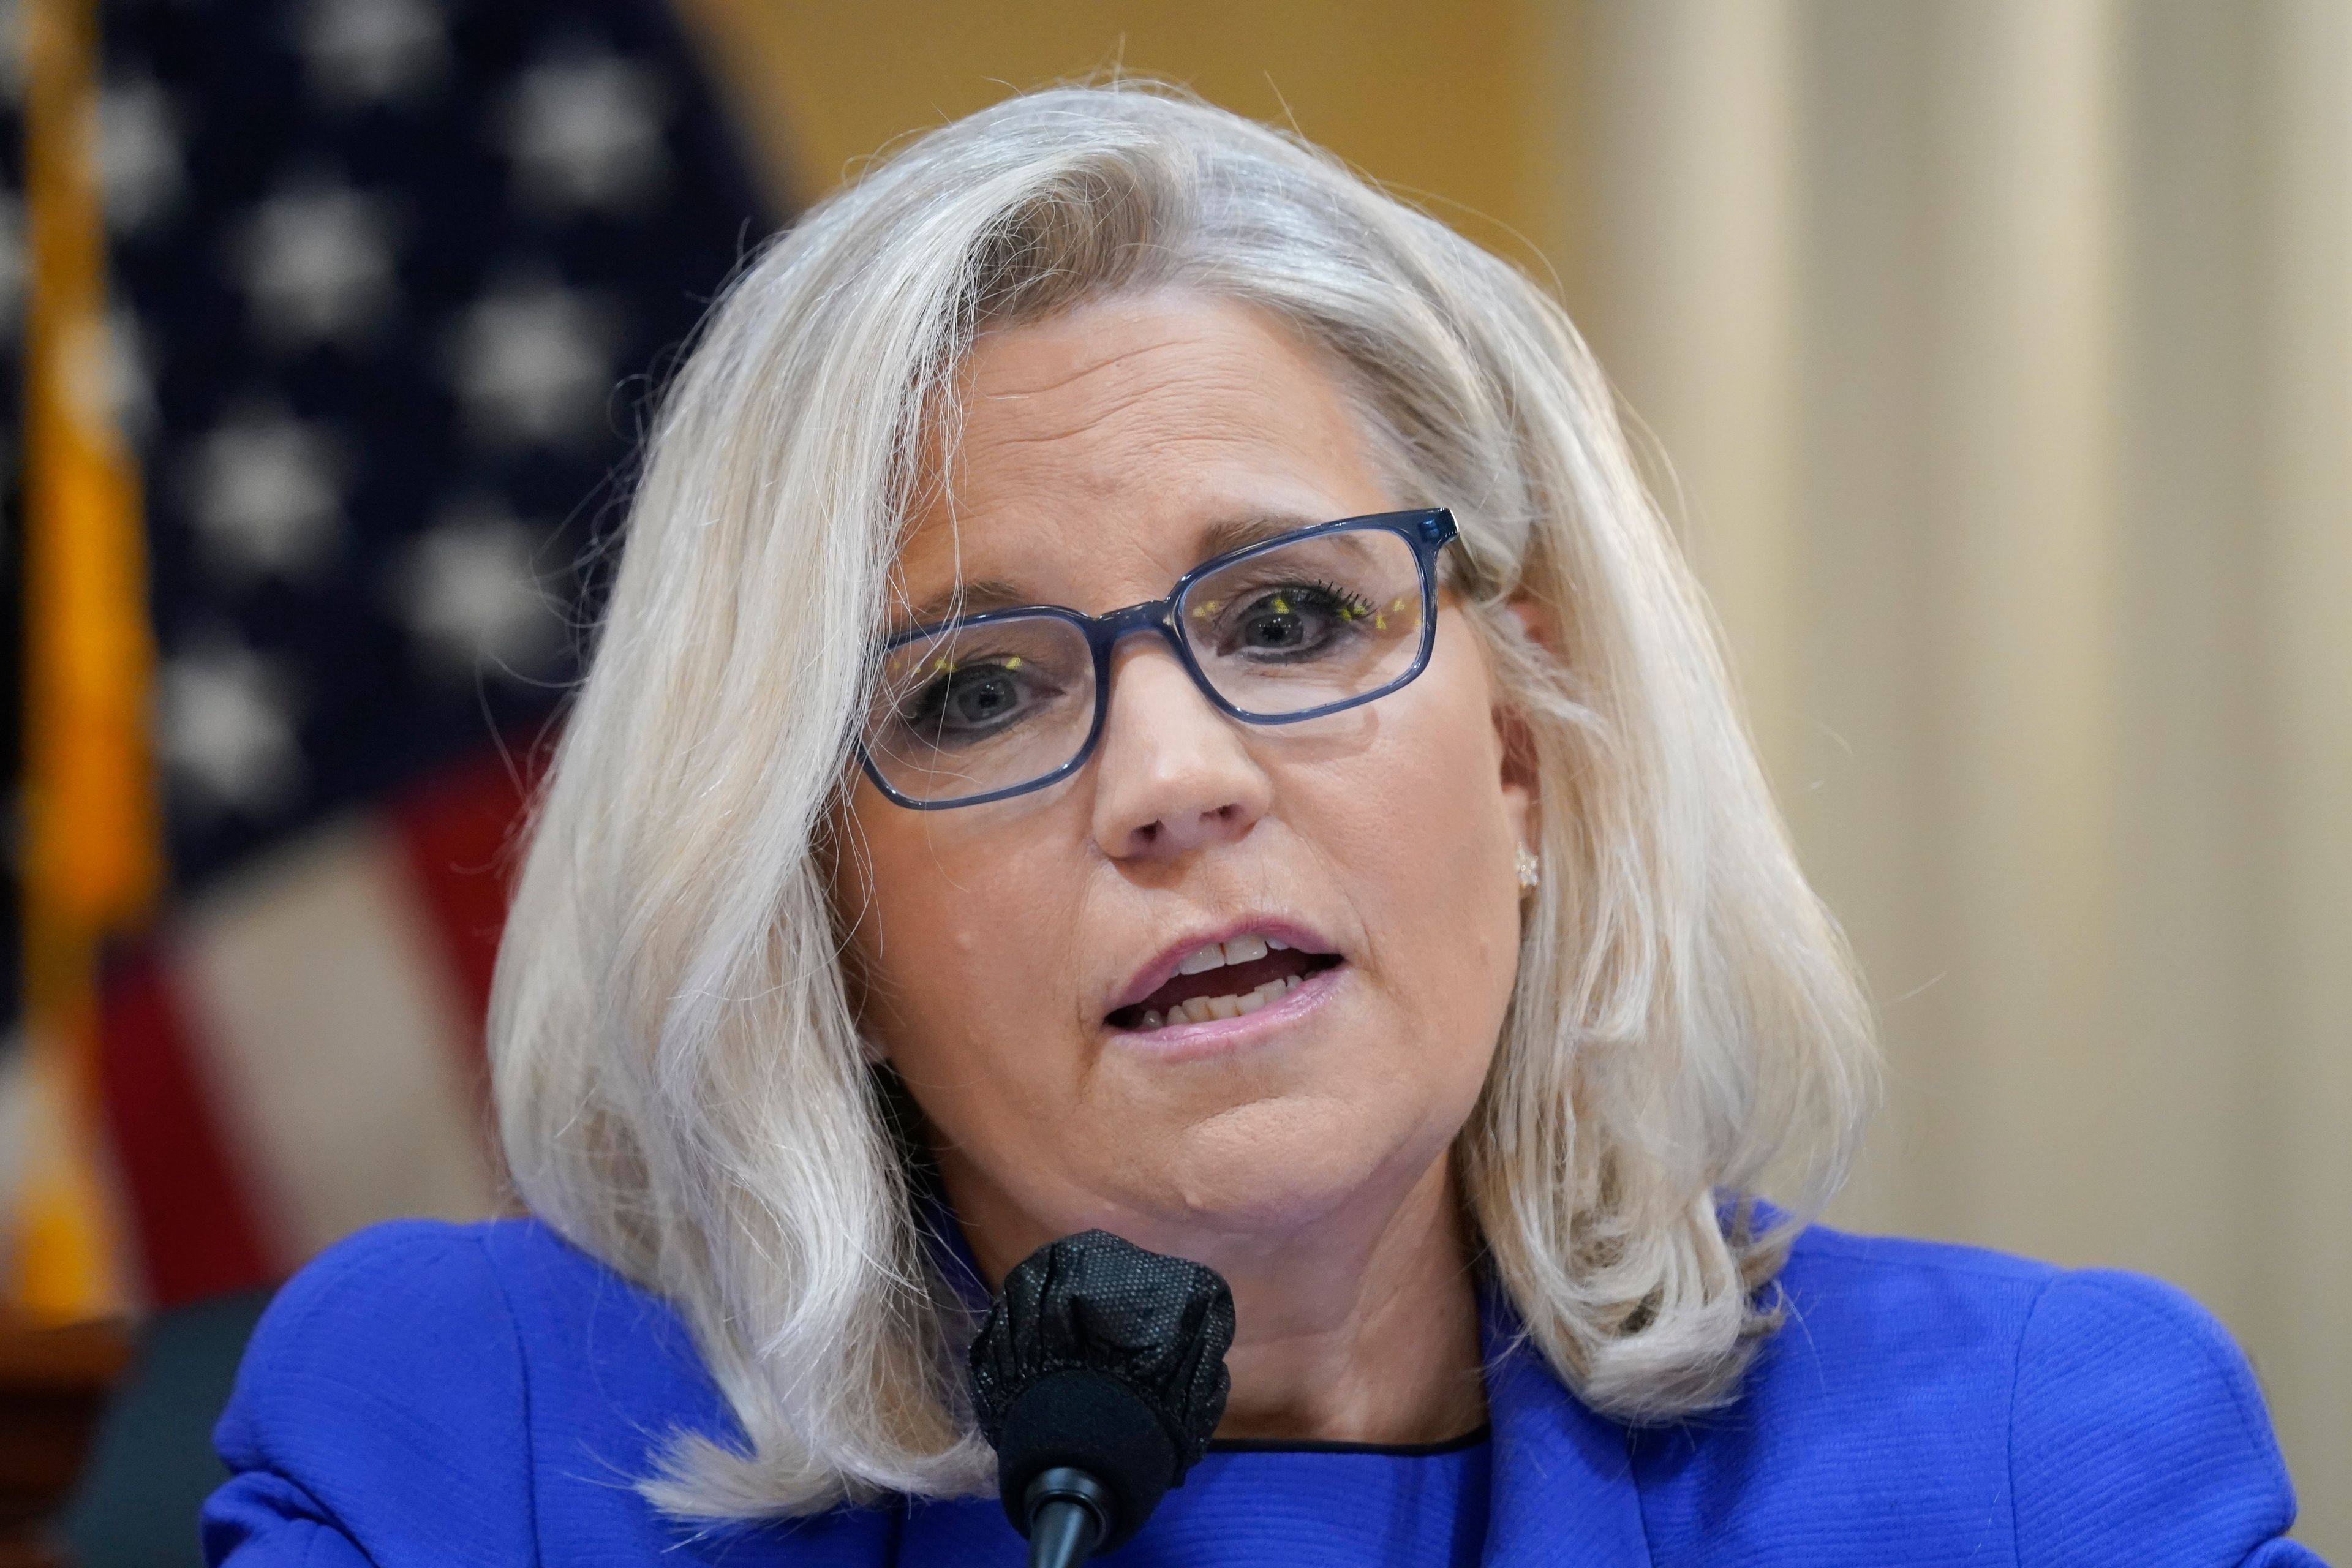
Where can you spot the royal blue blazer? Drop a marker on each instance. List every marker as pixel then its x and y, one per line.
pixel 428 1393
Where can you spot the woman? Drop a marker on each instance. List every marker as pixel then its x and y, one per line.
pixel 1143 692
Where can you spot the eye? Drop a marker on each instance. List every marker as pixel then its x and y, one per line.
pixel 972 700
pixel 1294 620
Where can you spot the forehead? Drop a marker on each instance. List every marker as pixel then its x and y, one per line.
pixel 1106 450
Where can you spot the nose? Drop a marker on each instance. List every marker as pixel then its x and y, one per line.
pixel 1172 774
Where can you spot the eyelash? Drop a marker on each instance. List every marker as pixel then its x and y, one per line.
pixel 1325 597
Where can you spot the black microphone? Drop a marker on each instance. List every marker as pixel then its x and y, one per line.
pixel 1099 1376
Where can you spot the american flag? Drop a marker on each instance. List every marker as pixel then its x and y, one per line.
pixel 393 282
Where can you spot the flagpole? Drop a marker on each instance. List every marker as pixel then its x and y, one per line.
pixel 92 857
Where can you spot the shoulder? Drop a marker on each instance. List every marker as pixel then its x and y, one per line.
pixel 382 1396
pixel 2044 1347
pixel 2135 1416
pixel 1938 1386
pixel 405 1389
pixel 432 1314
pixel 410 1289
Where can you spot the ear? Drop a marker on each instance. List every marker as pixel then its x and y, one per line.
pixel 1516 737
pixel 1535 622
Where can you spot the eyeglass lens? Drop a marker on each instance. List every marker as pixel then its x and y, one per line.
pixel 1298 625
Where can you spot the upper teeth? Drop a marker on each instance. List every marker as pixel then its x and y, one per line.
pixel 1234 950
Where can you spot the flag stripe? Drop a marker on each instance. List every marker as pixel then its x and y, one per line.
pixel 456 831
pixel 199 1230
pixel 324 989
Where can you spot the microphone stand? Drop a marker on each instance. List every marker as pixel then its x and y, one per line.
pixel 1070 1514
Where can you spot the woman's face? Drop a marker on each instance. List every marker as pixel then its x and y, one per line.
pixel 1004 955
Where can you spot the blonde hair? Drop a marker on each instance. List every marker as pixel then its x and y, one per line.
pixel 680 1086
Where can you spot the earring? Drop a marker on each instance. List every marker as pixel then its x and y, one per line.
pixel 1529 869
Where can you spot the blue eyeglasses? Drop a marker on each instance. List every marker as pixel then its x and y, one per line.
pixel 1313 622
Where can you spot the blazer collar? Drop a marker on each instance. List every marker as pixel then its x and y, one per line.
pixel 1562 1490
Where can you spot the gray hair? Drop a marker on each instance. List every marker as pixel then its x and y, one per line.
pixel 681 1088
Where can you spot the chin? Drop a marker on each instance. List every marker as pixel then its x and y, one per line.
pixel 1274 1169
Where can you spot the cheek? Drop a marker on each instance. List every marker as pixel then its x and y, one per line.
pixel 1420 835
pixel 965 952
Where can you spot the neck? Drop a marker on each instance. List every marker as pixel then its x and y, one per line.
pixel 1371 1338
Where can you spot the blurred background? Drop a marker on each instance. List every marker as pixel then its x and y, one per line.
pixel 1993 357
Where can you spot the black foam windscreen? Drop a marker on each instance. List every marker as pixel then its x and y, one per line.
pixel 1103 1357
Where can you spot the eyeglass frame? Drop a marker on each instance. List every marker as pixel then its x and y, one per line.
pixel 1428 530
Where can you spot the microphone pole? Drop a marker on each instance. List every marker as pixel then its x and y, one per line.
pixel 1099 1377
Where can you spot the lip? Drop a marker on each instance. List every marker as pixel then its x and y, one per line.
pixel 1218 1037
pixel 1163 965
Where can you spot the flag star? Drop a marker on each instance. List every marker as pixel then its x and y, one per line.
pixel 139 167
pixel 317 263
pixel 227 729
pixel 130 375
pixel 469 595
pixel 533 363
pixel 372 51
pixel 266 490
pixel 585 132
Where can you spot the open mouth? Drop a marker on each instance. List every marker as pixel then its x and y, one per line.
pixel 1224 980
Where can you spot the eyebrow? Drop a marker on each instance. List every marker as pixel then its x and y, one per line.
pixel 986 593
pixel 964 599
